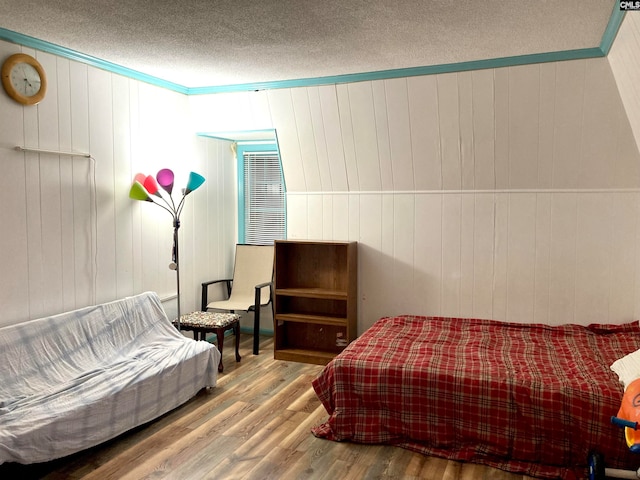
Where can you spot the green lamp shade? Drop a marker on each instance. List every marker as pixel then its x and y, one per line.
pixel 138 192
pixel 195 180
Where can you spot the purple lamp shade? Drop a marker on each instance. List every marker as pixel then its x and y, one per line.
pixel 195 180
pixel 150 185
pixel 138 192
pixel 165 179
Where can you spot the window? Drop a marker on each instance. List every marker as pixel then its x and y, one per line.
pixel 261 192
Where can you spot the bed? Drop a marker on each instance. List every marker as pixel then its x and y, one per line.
pixel 526 398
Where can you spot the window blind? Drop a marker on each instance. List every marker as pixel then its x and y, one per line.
pixel 264 198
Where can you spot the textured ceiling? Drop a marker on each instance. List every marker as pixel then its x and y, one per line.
pixel 203 43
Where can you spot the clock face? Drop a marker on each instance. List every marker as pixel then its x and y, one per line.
pixel 25 79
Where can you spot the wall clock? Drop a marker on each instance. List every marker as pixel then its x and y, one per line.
pixel 24 79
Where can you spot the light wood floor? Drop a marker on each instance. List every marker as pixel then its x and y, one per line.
pixel 254 425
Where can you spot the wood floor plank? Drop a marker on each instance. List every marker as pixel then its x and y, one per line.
pixel 254 425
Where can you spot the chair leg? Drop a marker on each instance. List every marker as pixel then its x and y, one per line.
pixel 256 323
pixel 236 331
pixel 220 336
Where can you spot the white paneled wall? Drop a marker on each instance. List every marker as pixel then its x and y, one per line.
pixel 624 58
pixel 71 236
pixel 548 257
pixel 506 193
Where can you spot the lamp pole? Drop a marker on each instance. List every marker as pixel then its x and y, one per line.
pixel 145 188
pixel 175 264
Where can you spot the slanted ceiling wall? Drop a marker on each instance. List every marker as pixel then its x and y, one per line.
pixel 624 58
pixel 509 193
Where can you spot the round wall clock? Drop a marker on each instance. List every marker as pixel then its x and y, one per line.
pixel 24 79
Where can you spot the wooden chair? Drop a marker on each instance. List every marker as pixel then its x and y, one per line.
pixel 247 291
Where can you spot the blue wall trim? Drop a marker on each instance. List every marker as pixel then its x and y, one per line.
pixel 406 72
pixel 64 52
pixel 605 45
pixel 611 31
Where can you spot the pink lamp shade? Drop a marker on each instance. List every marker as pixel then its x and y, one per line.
pixel 150 185
pixel 195 180
pixel 138 192
pixel 140 177
pixel 165 179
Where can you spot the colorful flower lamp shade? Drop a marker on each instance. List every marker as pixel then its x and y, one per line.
pixel 159 190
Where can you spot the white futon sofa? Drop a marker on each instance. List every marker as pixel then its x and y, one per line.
pixel 74 380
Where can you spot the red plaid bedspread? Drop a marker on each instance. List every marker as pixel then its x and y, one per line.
pixel 530 399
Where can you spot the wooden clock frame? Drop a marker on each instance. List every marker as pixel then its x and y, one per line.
pixel 8 65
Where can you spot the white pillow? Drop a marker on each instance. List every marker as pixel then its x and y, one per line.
pixel 627 368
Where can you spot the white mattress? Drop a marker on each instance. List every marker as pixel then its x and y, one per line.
pixel 77 379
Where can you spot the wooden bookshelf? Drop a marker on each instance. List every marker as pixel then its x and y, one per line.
pixel 315 299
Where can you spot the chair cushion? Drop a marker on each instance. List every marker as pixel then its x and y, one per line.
pixel 207 319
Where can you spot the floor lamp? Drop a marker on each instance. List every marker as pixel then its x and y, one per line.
pixel 145 188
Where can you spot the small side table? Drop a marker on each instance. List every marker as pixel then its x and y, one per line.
pixel 203 322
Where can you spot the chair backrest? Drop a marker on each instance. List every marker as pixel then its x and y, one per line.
pixel 253 266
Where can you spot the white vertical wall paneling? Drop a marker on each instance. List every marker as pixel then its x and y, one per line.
pixel 546 122
pixel 370 261
pixel 624 254
pixel 428 254
pixel 315 215
pixel 501 119
pixel 521 251
pixel 483 255
pixel 297 219
pixel 483 129
pixel 84 215
pixel 466 133
pixel 363 120
pixel 50 191
pixel 333 134
pixel 66 182
pixel 467 254
pixel 562 258
pixel 449 115
pixel 382 134
pixel 599 131
pixel 387 287
pixel 353 226
pixel 542 257
pixel 340 217
pixel 282 112
pixel 569 117
pixel 399 133
pixel 306 139
pixel 260 115
pixel 327 217
pixel 499 297
pixel 347 135
pixel 425 129
pixel 14 291
pixel 524 87
pixel 319 139
pixel 451 253
pixel 593 257
pixel 122 181
pixel 403 252
pixel 61 241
